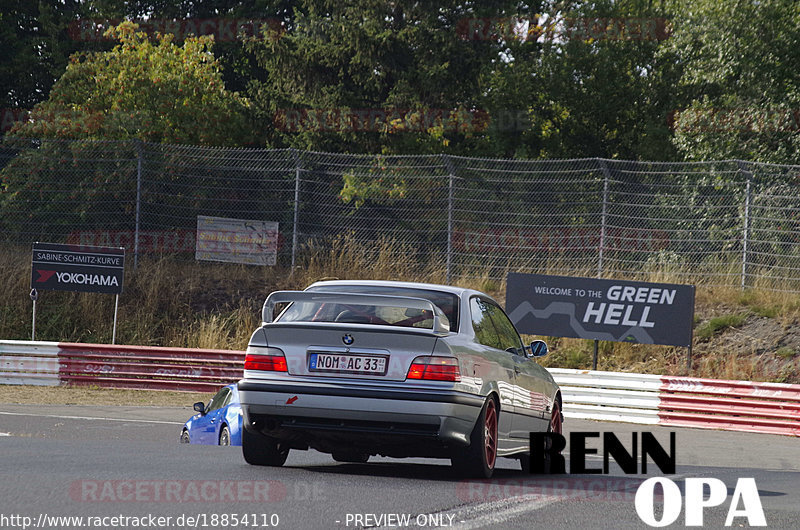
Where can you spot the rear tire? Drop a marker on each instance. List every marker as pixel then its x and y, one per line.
pixel 261 450
pixel 478 460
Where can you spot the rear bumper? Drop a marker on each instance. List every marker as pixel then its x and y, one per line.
pixel 384 420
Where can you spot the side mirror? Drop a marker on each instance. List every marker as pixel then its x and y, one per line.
pixel 200 407
pixel 538 348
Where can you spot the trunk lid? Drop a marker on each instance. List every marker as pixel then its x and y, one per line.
pixel 357 351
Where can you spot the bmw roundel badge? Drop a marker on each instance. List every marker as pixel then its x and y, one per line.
pixel 347 339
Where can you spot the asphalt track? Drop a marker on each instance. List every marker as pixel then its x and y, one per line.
pixel 125 462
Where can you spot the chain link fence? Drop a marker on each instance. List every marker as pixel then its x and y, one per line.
pixel 720 222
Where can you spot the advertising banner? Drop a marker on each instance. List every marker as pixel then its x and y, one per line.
pixel 236 240
pixel 57 267
pixel 613 310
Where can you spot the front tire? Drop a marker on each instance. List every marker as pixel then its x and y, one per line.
pixel 556 419
pixel 479 458
pixel 556 426
pixel 185 437
pixel 525 462
pixel 262 450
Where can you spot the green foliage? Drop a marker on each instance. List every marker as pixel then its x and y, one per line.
pixel 765 311
pixel 157 92
pixel 374 56
pixel 738 91
pixel 152 91
pixel 96 179
pixel 523 94
pixel 382 188
pixel 717 82
pixel 607 96
pixel 714 325
pixel 36 46
pixel 749 299
pixel 357 189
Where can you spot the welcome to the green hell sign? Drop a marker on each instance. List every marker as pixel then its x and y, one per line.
pixel 600 309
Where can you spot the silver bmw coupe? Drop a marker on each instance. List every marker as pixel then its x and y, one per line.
pixel 362 368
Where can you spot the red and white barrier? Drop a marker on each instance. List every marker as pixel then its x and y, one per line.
pixel 29 363
pixel 112 366
pixel 148 367
pixel 771 408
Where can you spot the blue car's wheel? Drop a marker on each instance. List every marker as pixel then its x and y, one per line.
pixel 224 436
pixel 185 437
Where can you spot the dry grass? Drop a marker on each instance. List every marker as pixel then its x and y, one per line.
pixel 345 258
pixel 68 395
pixel 615 356
pixel 221 331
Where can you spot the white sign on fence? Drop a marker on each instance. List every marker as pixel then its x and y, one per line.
pixel 236 240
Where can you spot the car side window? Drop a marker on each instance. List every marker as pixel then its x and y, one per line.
pixel 485 331
pixel 218 401
pixel 228 398
pixel 506 332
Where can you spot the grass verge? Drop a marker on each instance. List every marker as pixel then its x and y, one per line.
pixel 76 395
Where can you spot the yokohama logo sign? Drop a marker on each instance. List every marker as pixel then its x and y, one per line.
pixel 83 279
pixel 77 268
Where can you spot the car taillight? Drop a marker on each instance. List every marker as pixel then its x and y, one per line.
pixel 434 368
pixel 265 359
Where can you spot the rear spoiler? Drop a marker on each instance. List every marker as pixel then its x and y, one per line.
pixel 282 297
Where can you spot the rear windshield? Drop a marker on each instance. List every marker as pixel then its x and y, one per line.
pixel 369 314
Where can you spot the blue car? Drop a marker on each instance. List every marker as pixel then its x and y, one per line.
pixel 218 423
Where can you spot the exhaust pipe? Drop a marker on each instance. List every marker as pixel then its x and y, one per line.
pixel 263 424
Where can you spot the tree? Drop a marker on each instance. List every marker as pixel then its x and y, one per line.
pixel 505 88
pixel 739 89
pixel 152 91
pixel 36 42
pixel 157 92
pixel 186 19
pixel 369 76
pixel 588 78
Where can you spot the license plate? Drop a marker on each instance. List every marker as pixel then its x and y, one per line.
pixel 347 364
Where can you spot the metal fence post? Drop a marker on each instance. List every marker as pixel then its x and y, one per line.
pixel 139 155
pixel 603 215
pixel 448 164
pixel 746 221
pixel 296 220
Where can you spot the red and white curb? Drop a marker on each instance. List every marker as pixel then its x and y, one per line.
pixel 772 408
